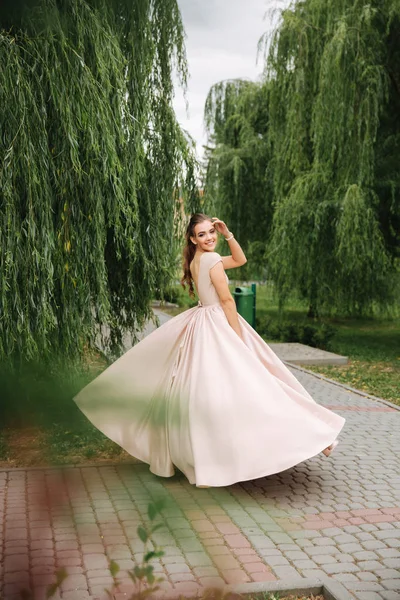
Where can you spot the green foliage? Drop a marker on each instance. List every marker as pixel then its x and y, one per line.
pixel 317 335
pixel 92 164
pixel 4 452
pixel 142 574
pixel 238 182
pixel 372 344
pixel 320 144
pixel 174 294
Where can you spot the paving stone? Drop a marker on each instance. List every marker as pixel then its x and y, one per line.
pixel 235 576
pixel 345 538
pixel 352 529
pixel 74 582
pixel 239 541
pixel 365 576
pixel 207 571
pixel 92 548
pixel 41 534
pixel 325 559
pixel 66 545
pixel 177 523
pixel 331 532
pixel 368 527
pixel 365 537
pixel 365 555
pixel 276 561
pixel 211 582
pixel 278 538
pixel 391 563
pixel 286 572
pixel 313 574
pixel 17 533
pixel 367 595
pixel 388 573
pixel 177 568
pixel 16 563
pixel 181 577
pixel 311 534
pixel 15 549
pixel 390 595
pixel 256 567
pixel 95 561
pixel 43 560
pixel 12 591
pixel 198 559
pixel 369 565
pixel 322 541
pixel 388 552
pixel 262 541
pixel 227 562
pixel 363 586
pixel 203 525
pixel 373 545
pixel 388 534
pixel 16 577
pixel 64 537
pixel 391 584
pixel 186 587
pixel 96 582
pixel 118 551
pixel 296 555
pixel 321 550
pixel 341 568
pixel 345 577
pixel 265 552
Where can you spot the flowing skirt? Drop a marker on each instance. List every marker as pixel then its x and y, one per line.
pixel 193 395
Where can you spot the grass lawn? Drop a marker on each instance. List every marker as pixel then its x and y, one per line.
pixel 372 346
pixel 41 425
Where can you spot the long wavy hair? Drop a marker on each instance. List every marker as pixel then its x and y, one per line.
pixel 190 250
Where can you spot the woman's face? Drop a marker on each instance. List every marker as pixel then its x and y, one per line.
pixel 205 236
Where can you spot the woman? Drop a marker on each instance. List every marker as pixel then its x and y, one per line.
pixel 204 393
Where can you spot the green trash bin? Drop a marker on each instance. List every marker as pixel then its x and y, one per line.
pixel 245 303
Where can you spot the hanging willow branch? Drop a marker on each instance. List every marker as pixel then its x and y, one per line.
pixel 91 164
pixel 330 145
pixel 237 175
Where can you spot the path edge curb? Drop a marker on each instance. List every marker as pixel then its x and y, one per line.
pixel 331 590
pixel 343 385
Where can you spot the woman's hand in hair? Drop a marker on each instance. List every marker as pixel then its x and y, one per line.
pixel 220 226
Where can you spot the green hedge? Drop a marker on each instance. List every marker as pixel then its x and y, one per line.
pixel 317 335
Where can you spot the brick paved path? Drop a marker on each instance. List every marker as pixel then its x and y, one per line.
pixel 336 517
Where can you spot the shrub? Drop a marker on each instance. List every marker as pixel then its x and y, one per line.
pixel 317 335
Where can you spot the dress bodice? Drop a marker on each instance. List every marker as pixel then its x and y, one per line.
pixel 205 289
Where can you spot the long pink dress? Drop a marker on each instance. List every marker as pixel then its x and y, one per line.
pixel 193 395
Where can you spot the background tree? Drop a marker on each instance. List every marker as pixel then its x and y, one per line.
pixel 332 100
pixel 238 178
pixel 92 161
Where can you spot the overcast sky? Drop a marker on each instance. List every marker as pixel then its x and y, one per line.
pixel 221 43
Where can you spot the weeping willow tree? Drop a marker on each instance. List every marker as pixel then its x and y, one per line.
pixel 332 143
pixel 238 179
pixel 92 165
